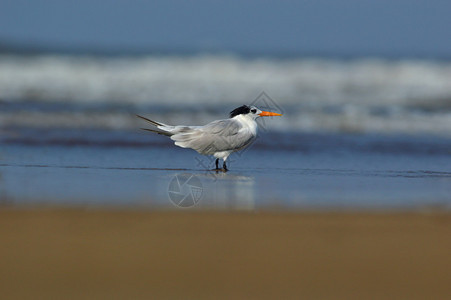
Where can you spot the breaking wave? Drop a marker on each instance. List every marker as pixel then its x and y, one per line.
pixel 315 94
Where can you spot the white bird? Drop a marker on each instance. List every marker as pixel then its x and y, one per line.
pixel 219 138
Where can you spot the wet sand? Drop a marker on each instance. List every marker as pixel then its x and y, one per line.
pixel 99 254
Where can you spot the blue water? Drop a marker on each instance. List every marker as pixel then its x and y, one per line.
pixel 363 133
pixel 290 171
pixel 349 27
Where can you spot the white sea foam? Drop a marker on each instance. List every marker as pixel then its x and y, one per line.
pixel 316 94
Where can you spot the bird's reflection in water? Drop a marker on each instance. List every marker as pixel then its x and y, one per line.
pixel 219 190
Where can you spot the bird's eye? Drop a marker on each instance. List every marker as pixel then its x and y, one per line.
pixel 253 110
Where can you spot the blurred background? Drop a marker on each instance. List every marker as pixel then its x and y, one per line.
pixel 350 66
pixel 365 88
pixel 365 91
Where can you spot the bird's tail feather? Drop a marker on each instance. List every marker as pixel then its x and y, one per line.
pixel 150 121
pixel 158 131
pixel 156 124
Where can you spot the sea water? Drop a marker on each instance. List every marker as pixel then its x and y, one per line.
pixel 362 133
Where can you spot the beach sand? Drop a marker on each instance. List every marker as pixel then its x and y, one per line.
pixel 105 254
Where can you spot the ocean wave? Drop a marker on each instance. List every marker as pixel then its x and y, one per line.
pixel 215 79
pixel 351 120
pixel 361 95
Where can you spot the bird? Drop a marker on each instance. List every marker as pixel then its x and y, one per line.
pixel 219 138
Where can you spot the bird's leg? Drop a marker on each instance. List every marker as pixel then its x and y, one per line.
pixel 217 162
pixel 224 166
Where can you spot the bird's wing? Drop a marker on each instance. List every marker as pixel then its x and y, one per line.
pixel 221 135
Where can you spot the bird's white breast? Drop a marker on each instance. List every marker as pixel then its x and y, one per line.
pixel 248 124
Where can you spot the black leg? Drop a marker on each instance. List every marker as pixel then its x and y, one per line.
pixel 217 162
pixel 224 166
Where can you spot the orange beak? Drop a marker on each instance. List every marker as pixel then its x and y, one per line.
pixel 268 114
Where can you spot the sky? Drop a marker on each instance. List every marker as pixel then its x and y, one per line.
pixel 347 27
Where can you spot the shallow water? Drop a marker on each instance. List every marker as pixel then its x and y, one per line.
pixel 280 171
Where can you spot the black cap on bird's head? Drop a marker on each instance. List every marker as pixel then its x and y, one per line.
pixel 255 112
pixel 242 110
